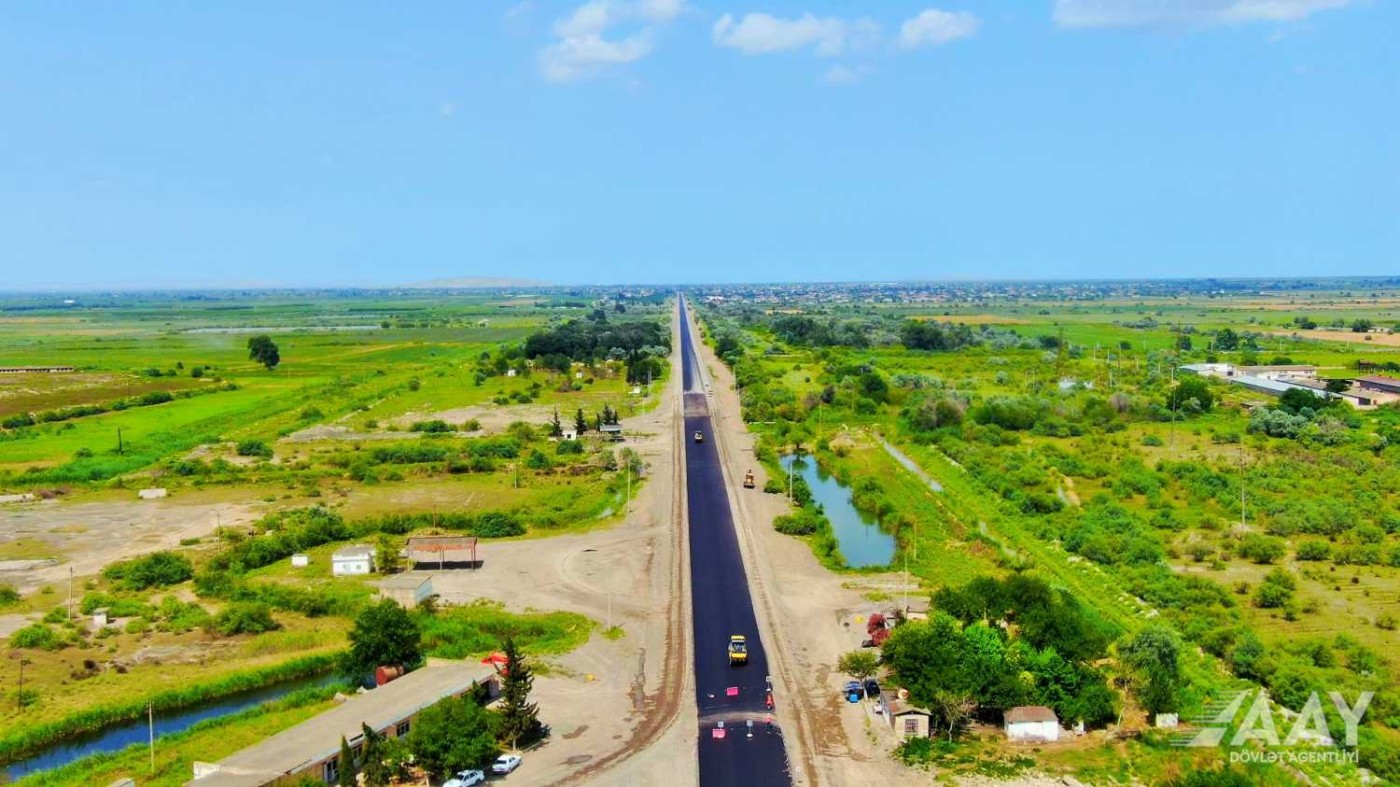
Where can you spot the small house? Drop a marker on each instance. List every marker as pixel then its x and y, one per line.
pixel 353 561
pixel 909 721
pixel 611 432
pixel 510 373
pixel 151 494
pixel 1032 724
pixel 568 433
pixel 100 617
pixel 409 590
pixel 300 560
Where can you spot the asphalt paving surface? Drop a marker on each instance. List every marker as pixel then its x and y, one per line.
pixel 731 696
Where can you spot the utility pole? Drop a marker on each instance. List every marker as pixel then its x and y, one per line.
pixel 120 448
pixel 1242 524
pixel 151 728
pixel 70 592
pixel 629 485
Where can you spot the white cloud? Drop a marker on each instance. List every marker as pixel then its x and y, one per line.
pixel 582 47
pixel 1185 13
pixel 935 28
pixel 759 34
pixel 845 75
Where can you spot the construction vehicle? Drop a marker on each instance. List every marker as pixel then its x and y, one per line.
pixel 738 650
pixel 699 437
pixel 748 480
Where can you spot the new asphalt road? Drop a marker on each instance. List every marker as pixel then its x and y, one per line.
pixel 722 607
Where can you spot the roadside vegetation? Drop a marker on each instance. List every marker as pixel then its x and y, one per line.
pixel 450 409
pixel 1216 537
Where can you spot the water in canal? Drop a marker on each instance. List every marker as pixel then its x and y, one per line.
pixel 121 735
pixel 862 541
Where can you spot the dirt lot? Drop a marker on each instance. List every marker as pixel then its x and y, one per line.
pixel 87 534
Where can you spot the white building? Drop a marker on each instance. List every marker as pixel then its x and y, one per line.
pixel 353 561
pixel 1032 724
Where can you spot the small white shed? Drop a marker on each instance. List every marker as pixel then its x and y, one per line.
pixel 510 373
pixel 1032 724
pixel 300 560
pixel 353 561
pixel 569 433
pixel 151 494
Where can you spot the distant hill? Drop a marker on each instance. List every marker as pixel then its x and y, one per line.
pixel 476 283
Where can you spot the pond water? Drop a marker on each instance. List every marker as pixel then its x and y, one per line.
pixel 119 736
pixel 862 541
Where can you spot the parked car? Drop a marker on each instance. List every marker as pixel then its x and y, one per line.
pixel 853 691
pixel 505 763
pixel 465 779
pixel 872 688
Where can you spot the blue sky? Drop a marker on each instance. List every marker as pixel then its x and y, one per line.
pixel 367 143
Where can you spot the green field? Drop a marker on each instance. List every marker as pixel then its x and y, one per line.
pixel 1049 425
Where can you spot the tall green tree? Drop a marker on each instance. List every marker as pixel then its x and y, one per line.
pixel 384 633
pixel 262 349
pixel 1191 388
pixel 580 422
pixel 377 772
pixel 345 765
pixel 1153 654
pixel 454 734
pixel 519 717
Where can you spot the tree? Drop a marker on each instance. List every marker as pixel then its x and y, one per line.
pixel 1338 385
pixel 1227 340
pixel 1154 654
pixel 264 351
pixel 384 634
pixel 954 709
pixel 1191 388
pixel 556 429
pixel 859 664
pixel 452 735
pixel 386 554
pixel 345 765
pixel 1183 342
pixel 580 422
pixel 1361 326
pixel 519 717
pixel 378 770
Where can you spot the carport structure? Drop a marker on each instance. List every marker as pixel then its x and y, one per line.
pixel 442 551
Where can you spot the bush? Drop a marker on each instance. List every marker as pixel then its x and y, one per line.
pixel 158 569
pixel 1314 550
pixel 8 595
pixel 1261 549
pixel 569 448
pixel 254 448
pixel 36 636
pixel 804 522
pixel 244 618
pixel 436 426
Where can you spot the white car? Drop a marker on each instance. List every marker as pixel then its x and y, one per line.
pixel 505 763
pixel 465 779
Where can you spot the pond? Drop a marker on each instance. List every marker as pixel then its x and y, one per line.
pixel 121 735
pixel 862 542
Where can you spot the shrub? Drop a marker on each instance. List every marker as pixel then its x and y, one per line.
pixel 435 426
pixel 158 569
pixel 244 618
pixel 8 595
pixel 254 448
pixel 36 636
pixel 1314 550
pixel 1261 549
pixel 569 448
